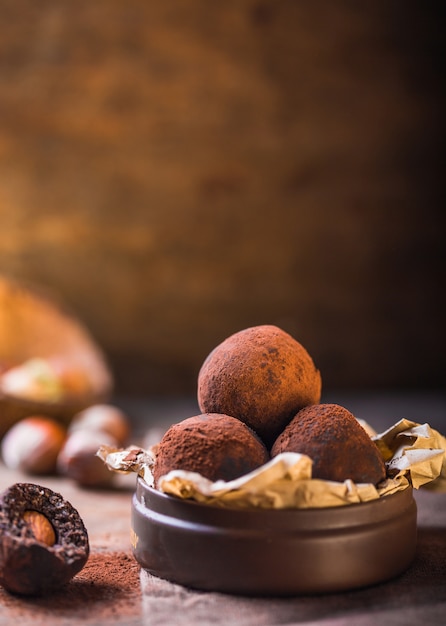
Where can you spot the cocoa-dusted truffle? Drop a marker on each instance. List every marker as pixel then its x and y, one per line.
pixel 336 442
pixel 43 540
pixel 262 376
pixel 213 445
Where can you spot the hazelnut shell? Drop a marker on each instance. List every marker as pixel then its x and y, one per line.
pixel 105 418
pixel 78 460
pixel 33 444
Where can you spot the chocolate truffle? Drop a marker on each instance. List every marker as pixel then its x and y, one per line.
pixel 336 442
pixel 213 445
pixel 43 540
pixel 262 376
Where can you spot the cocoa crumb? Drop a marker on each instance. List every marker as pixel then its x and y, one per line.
pixel 132 456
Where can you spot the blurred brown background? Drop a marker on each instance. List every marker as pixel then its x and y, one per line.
pixel 177 171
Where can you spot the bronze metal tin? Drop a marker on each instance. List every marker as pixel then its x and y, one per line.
pixel 273 552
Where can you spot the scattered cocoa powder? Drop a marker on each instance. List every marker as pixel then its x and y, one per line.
pixel 107 588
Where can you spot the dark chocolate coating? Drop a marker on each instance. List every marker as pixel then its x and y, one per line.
pixel 338 445
pixel 262 376
pixel 28 566
pixel 218 447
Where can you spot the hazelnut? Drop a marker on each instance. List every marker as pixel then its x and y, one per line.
pixel 104 418
pixel 41 527
pixel 43 540
pixel 33 444
pixel 77 459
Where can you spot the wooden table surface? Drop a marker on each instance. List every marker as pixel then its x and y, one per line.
pixel 418 596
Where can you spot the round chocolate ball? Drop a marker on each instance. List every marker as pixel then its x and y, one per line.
pixel 338 445
pixel 262 376
pixel 218 447
pixel 43 540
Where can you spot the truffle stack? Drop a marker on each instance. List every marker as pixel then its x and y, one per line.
pixel 259 392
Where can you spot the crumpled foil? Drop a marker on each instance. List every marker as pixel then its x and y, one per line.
pixel 414 454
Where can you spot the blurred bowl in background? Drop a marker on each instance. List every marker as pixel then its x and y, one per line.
pixel 49 362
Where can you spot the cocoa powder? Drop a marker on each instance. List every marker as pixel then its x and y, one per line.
pixel 107 588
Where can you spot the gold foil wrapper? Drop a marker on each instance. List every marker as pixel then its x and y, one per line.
pixel 415 454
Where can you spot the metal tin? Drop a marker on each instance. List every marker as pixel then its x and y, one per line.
pixel 273 552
